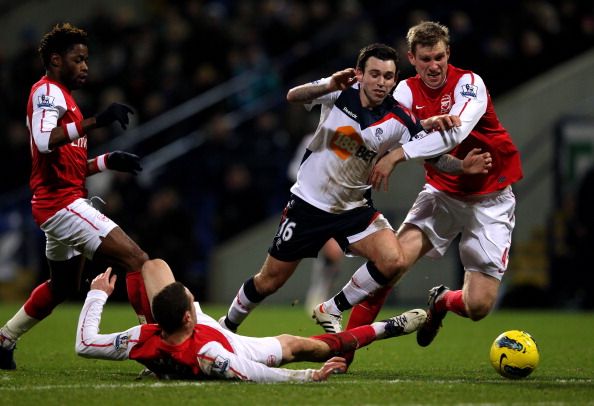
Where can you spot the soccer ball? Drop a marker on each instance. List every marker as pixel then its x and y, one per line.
pixel 514 354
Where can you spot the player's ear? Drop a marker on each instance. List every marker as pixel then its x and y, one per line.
pixel 359 74
pixel 188 317
pixel 55 60
pixel 411 57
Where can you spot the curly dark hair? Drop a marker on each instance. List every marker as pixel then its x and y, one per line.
pixel 60 40
pixel 170 305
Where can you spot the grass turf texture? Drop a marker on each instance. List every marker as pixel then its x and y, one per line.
pixel 455 369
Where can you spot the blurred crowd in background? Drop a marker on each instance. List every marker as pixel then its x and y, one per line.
pixel 174 51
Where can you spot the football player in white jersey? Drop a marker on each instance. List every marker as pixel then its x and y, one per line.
pixel 331 198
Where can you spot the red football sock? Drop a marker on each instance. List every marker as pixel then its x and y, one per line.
pixel 349 340
pixel 365 313
pixel 138 297
pixel 41 302
pixel 453 302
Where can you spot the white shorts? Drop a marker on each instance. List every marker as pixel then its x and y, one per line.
pixel 264 350
pixel 485 223
pixel 76 229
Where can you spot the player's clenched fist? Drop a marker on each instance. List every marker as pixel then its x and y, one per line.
pixel 342 79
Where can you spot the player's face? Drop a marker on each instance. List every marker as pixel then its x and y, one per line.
pixel 74 67
pixel 376 81
pixel 431 63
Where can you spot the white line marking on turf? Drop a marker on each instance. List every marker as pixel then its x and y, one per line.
pixel 104 386
pixel 171 384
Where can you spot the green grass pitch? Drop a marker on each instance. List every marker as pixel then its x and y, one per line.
pixel 455 369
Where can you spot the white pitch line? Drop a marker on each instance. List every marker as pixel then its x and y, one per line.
pixel 156 385
pixel 169 384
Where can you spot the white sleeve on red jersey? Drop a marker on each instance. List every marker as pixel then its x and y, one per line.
pixel 49 105
pixel 470 102
pixel 403 94
pixel 90 344
pixel 216 361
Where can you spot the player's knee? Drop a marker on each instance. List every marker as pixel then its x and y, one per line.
pixel 266 285
pixel 292 347
pixel 478 310
pixel 393 267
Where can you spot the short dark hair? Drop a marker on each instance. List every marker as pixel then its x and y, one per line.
pixel 427 34
pixel 379 51
pixel 60 40
pixel 170 305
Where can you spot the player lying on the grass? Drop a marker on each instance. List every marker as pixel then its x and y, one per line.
pixel 188 344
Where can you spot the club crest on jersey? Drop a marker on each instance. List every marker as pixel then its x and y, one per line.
pixel 45 101
pixel 445 103
pixel 469 90
pixel 121 342
pixel 347 142
pixel 220 365
pixel 378 133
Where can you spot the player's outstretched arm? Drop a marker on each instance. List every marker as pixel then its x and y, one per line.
pixel 89 343
pixel 308 92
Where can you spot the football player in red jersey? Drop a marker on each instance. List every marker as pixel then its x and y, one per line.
pixel 480 208
pixel 72 226
pixel 188 344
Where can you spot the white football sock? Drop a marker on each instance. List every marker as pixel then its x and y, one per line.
pixel 18 325
pixel 240 307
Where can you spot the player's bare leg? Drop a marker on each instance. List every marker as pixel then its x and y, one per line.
pixel 479 294
pixel 386 263
pixel 273 274
pixel 118 249
pixel 475 301
pixel 322 347
pixel 156 275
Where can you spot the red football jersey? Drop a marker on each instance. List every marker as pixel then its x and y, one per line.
pixel 57 176
pixel 461 89
pixel 180 360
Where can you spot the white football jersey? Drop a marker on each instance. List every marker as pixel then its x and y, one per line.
pixel 334 173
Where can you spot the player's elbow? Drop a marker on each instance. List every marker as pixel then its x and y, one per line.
pixel 79 348
pixel 291 96
pixel 82 349
pixel 296 96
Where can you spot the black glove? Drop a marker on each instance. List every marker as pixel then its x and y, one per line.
pixel 123 162
pixel 115 112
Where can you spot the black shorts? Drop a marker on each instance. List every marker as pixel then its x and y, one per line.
pixel 304 229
